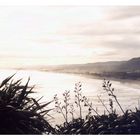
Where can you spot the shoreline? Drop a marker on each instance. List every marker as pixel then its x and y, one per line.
pixel 135 81
pixel 130 81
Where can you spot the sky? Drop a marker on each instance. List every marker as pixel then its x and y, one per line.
pixel 53 35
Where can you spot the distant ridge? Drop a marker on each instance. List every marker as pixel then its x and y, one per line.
pixel 135 59
pixel 132 65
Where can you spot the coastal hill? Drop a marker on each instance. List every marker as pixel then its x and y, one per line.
pixel 133 65
pixel 119 69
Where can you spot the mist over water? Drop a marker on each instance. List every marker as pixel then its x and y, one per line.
pixel 47 84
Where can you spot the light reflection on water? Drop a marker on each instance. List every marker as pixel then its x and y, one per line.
pixel 48 84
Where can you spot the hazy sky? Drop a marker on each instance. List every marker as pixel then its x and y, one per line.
pixel 44 35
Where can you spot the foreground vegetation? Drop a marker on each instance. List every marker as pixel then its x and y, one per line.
pixel 108 123
pixel 20 113
pixel 129 123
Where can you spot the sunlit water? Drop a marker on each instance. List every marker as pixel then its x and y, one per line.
pixel 48 84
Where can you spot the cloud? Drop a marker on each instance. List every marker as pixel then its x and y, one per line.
pixel 119 35
pixel 129 42
pixel 106 27
pixel 105 33
pixel 123 12
pixel 109 53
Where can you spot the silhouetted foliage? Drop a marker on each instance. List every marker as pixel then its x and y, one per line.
pixel 63 109
pixel 111 123
pixel 20 113
pixel 107 87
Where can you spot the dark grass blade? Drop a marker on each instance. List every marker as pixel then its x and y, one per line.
pixel 4 82
pixel 42 106
pixel 23 93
